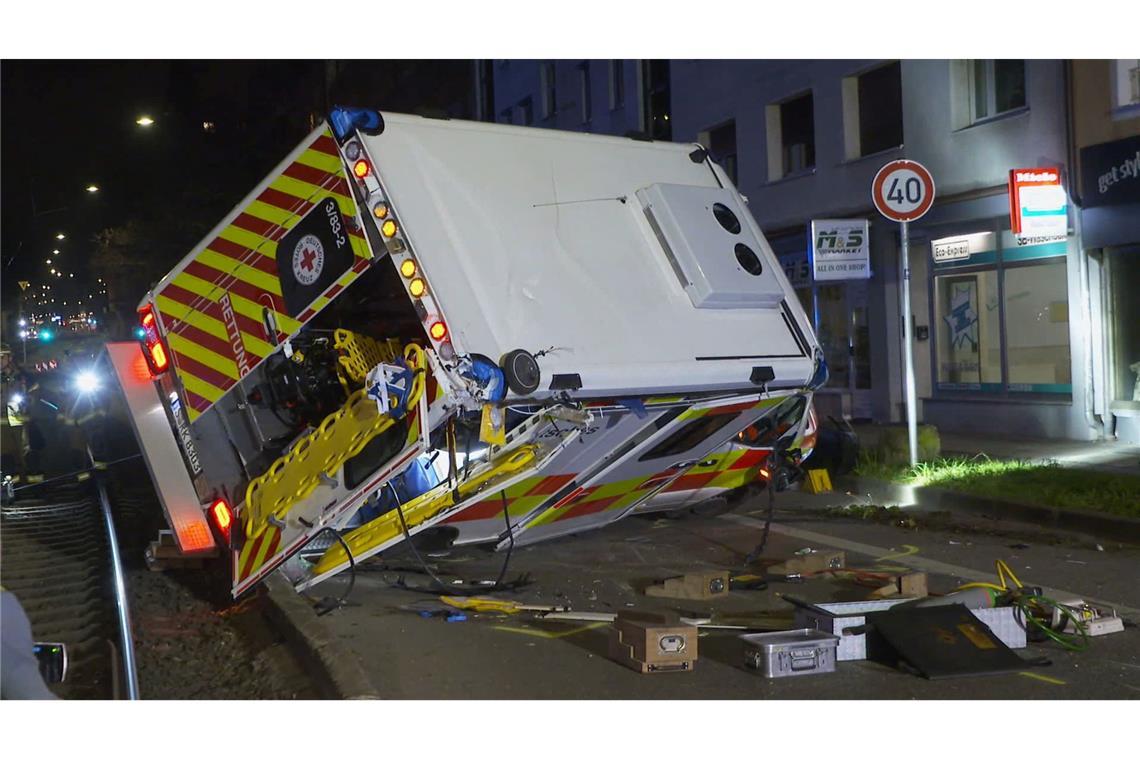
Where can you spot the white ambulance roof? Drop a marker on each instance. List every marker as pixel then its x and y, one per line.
pixel 539 239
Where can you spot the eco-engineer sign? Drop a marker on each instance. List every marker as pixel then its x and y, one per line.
pixel 840 249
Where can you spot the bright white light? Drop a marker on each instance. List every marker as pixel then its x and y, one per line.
pixel 23 333
pixel 92 188
pixel 23 322
pixel 16 400
pixel 87 381
pixel 60 236
pixel 144 121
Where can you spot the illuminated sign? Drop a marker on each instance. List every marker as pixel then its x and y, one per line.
pixel 841 249
pixel 1038 206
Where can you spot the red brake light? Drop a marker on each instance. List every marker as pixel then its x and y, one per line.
pixel 223 517
pixel 148 319
pixel 438 331
pixel 155 352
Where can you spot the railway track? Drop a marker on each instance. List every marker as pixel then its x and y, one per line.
pixel 55 557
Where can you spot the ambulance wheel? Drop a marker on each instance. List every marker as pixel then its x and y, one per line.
pixel 521 371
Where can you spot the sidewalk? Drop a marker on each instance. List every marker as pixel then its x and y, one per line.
pixel 1106 456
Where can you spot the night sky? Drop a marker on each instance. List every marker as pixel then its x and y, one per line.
pixel 69 124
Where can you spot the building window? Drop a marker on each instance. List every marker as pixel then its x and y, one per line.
pixel 549 93
pixel 996 87
pixel 655 99
pixel 721 145
pixel 793 136
pixel 524 112
pixel 585 96
pixel 880 115
pixel 1003 327
pixel 617 83
pixel 1126 83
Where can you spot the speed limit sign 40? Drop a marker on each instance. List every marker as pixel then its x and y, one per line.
pixel 903 190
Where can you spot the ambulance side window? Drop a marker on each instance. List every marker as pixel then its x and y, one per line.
pixel 689 435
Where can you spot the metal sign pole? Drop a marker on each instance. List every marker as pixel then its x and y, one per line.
pixel 908 347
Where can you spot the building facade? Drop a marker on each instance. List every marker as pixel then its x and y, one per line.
pixel 1010 329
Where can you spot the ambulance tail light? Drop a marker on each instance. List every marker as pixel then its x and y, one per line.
pixel 156 356
pixel 222 518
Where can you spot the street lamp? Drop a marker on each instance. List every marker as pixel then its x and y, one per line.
pixel 144 121
pixel 60 236
pixel 92 188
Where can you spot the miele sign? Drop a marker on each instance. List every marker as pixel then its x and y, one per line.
pixel 1038 205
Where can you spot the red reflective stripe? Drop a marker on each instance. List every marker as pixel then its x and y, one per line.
pixel 591 507
pixel 325 144
pixel 484 510
pixel 273 544
pixel 258 226
pixel 284 201
pixel 199 370
pixel 692 482
pixel 550 485
pixel 750 458
pixel 199 403
pixel 247 566
pixel 312 176
pixel 205 340
pixel 243 255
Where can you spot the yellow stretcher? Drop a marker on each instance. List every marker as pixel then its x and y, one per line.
pixel 319 455
pixel 422 508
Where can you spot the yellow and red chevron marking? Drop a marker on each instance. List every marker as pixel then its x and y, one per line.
pixel 212 308
pixel 522 497
pixel 256 552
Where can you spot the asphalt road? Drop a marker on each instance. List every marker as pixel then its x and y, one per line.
pixel 515 657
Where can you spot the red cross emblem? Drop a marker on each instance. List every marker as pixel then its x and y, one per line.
pixel 307 258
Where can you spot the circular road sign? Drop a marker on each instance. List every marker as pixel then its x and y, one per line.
pixel 903 190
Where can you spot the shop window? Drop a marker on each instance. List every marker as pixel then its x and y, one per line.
pixel 832 333
pixel 1012 340
pixel 968 331
pixel 1037 328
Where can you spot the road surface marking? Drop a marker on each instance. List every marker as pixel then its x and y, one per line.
pixel 915 562
pixel 910 552
pixel 1046 679
pixel 548 634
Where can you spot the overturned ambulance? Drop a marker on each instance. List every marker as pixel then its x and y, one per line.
pixel 510 334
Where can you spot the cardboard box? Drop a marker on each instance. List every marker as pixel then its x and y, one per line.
pixel 812 562
pixel 653 643
pixel 693 586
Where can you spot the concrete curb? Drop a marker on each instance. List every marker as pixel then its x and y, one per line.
pixel 335 669
pixel 1116 528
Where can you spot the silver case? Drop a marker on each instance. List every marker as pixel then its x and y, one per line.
pixel 798 652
